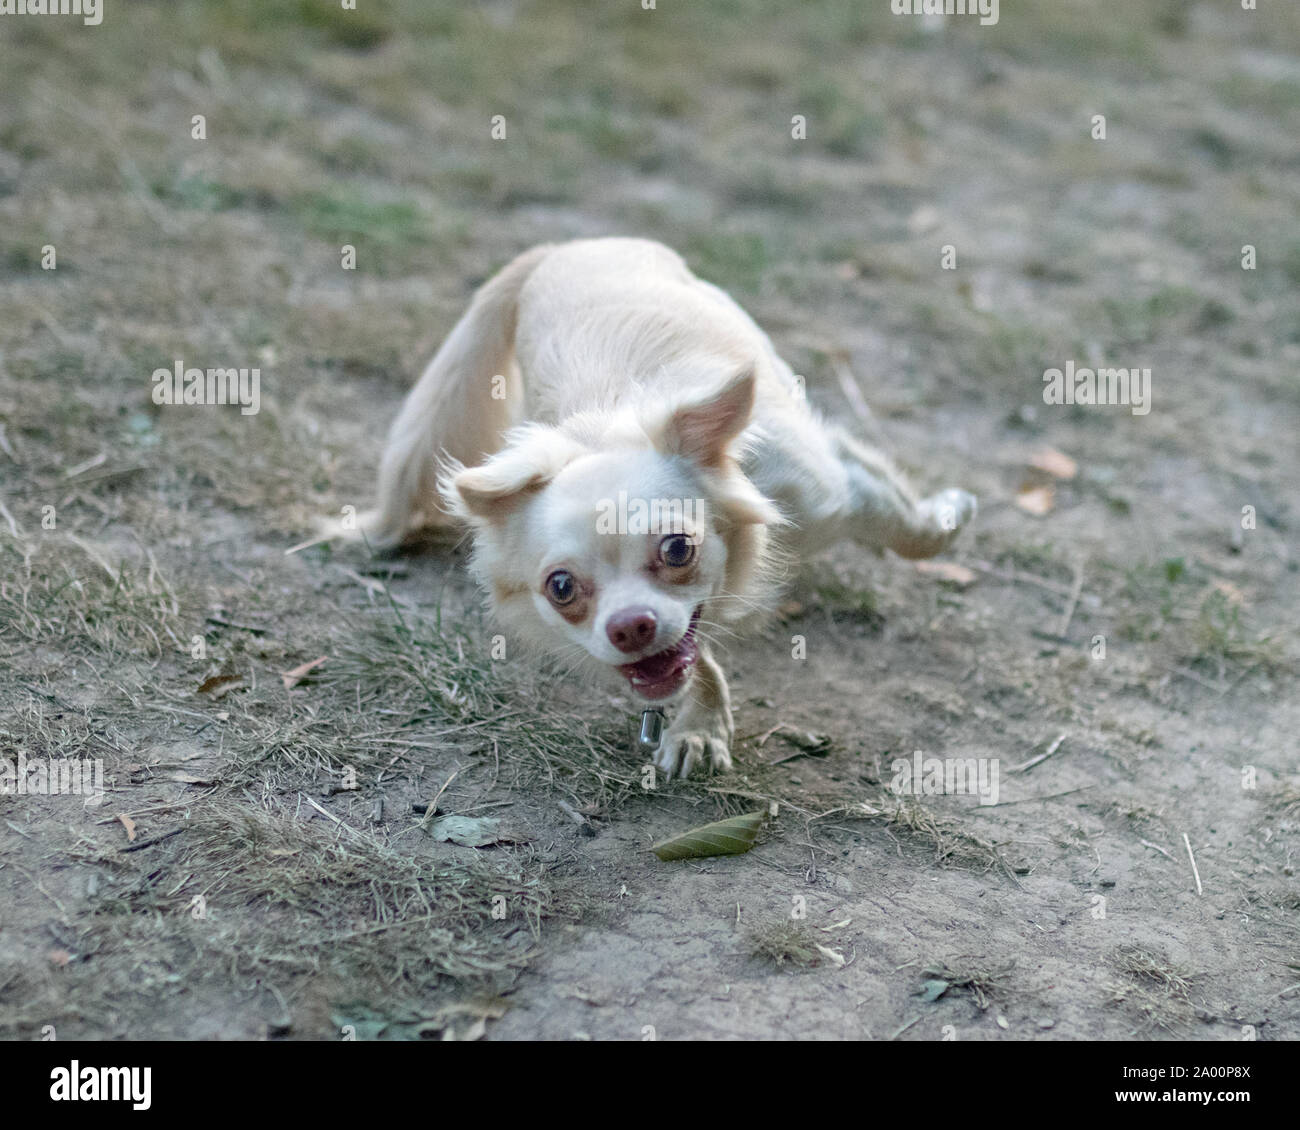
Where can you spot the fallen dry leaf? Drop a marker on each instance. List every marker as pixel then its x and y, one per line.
pixel 1054 463
pixel 834 955
pixel 470 831
pixel 948 571
pixel 187 779
pixel 129 825
pixel 294 677
pixel 816 744
pixel 723 837
pixel 219 685
pixel 930 991
pixel 1036 500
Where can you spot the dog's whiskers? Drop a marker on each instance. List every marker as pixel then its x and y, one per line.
pixel 753 605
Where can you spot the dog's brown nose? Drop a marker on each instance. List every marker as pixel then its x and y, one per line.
pixel 632 629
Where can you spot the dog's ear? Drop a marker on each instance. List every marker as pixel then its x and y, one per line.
pixel 702 430
pixel 532 457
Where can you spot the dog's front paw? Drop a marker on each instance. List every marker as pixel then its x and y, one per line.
pixel 694 739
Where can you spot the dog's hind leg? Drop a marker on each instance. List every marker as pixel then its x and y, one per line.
pixel 884 512
pixel 458 410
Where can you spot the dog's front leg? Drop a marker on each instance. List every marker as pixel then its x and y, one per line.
pixel 703 728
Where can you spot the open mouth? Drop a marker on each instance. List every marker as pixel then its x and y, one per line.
pixel 662 674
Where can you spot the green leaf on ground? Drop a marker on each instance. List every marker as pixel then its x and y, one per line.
pixel 723 837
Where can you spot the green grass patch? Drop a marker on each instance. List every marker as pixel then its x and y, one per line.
pixel 731 260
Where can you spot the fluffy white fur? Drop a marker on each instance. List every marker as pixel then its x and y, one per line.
pixel 598 366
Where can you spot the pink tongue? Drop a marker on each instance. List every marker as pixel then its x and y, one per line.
pixel 656 667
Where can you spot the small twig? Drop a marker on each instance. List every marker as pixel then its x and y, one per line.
pixel 1015 577
pixel 223 622
pixel 156 840
pixel 97 557
pixel 1218 688
pixel 89 465
pixel 308 544
pixel 1243 676
pixel 576 816
pixel 109 473
pixel 341 823
pixel 379 779
pixel 1027 799
pixel 904 1028
pixel 1195 873
pixel 35 882
pixel 853 394
pixel 1025 766
pixel 800 753
pixel 9 519
pixel 1050 637
pixel 1155 847
pixel 433 804
pixel 368 583
pixel 723 791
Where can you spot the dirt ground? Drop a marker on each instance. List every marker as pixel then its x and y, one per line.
pixel 263 864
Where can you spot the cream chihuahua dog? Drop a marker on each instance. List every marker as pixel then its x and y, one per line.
pixel 634 459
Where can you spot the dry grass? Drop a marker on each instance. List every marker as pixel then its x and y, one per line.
pixel 1157 990
pixel 784 943
pixel 983 983
pixel 1285 800
pixel 953 844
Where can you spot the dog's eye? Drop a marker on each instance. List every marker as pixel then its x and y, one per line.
pixel 561 588
pixel 676 550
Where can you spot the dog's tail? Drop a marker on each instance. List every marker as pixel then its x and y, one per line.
pixel 458 410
